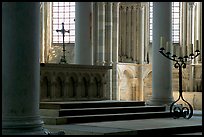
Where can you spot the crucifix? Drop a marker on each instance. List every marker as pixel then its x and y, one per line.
pixel 63 59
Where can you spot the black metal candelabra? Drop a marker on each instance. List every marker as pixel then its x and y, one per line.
pixel 180 62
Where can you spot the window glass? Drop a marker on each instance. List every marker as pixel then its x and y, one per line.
pixel 63 12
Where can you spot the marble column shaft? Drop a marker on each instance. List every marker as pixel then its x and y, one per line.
pixel 161 66
pixel 95 33
pixel 123 30
pixel 83 47
pixel 129 32
pixel 108 34
pixel 21 68
pixel 134 18
pixel 101 32
pixel 115 54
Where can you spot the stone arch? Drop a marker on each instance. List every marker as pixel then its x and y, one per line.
pixel 97 86
pixel 126 90
pixel 72 85
pixel 61 82
pixel 129 73
pixel 45 88
pixel 147 88
pixel 59 87
pixel 85 85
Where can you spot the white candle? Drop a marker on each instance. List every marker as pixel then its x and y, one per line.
pixel 174 49
pixel 197 45
pixel 181 52
pixel 186 50
pixel 170 47
pixel 191 48
pixel 161 42
pixel 167 46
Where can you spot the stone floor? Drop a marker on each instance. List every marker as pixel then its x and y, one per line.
pixel 127 127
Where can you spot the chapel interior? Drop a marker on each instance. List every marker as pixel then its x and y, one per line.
pixel 65 64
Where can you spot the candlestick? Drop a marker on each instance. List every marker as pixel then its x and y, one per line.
pixel 174 49
pixel 185 50
pixel 180 51
pixel 197 45
pixel 191 49
pixel 161 41
pixel 167 47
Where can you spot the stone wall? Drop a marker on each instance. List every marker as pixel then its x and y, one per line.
pixel 135 82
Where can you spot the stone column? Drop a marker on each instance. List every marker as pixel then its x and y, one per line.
pixel 184 24
pixel 134 18
pixel 21 68
pixel 161 66
pixel 95 33
pixel 138 34
pixel 108 31
pixel 115 45
pixel 129 33
pixel 101 32
pixel 123 31
pixel 83 48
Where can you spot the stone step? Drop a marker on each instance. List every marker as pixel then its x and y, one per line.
pixel 100 110
pixel 89 104
pixel 103 117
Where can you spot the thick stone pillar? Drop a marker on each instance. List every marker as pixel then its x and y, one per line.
pixel 161 66
pixel 83 48
pixel 21 68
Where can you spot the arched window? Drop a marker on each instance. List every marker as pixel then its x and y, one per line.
pixel 175 21
pixel 63 12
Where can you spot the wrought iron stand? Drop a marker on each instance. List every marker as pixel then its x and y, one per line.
pixel 180 62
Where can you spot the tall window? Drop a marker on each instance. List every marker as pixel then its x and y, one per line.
pixel 63 12
pixel 175 21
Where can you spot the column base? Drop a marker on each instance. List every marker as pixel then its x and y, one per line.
pixel 17 125
pixel 160 102
pixel 22 125
pixel 33 131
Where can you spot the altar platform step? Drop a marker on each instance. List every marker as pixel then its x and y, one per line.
pixel 56 113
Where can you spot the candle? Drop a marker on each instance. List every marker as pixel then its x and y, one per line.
pixel 191 49
pixel 180 51
pixel 174 49
pixel 161 42
pixel 170 47
pixel 197 45
pixel 186 50
pixel 167 46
